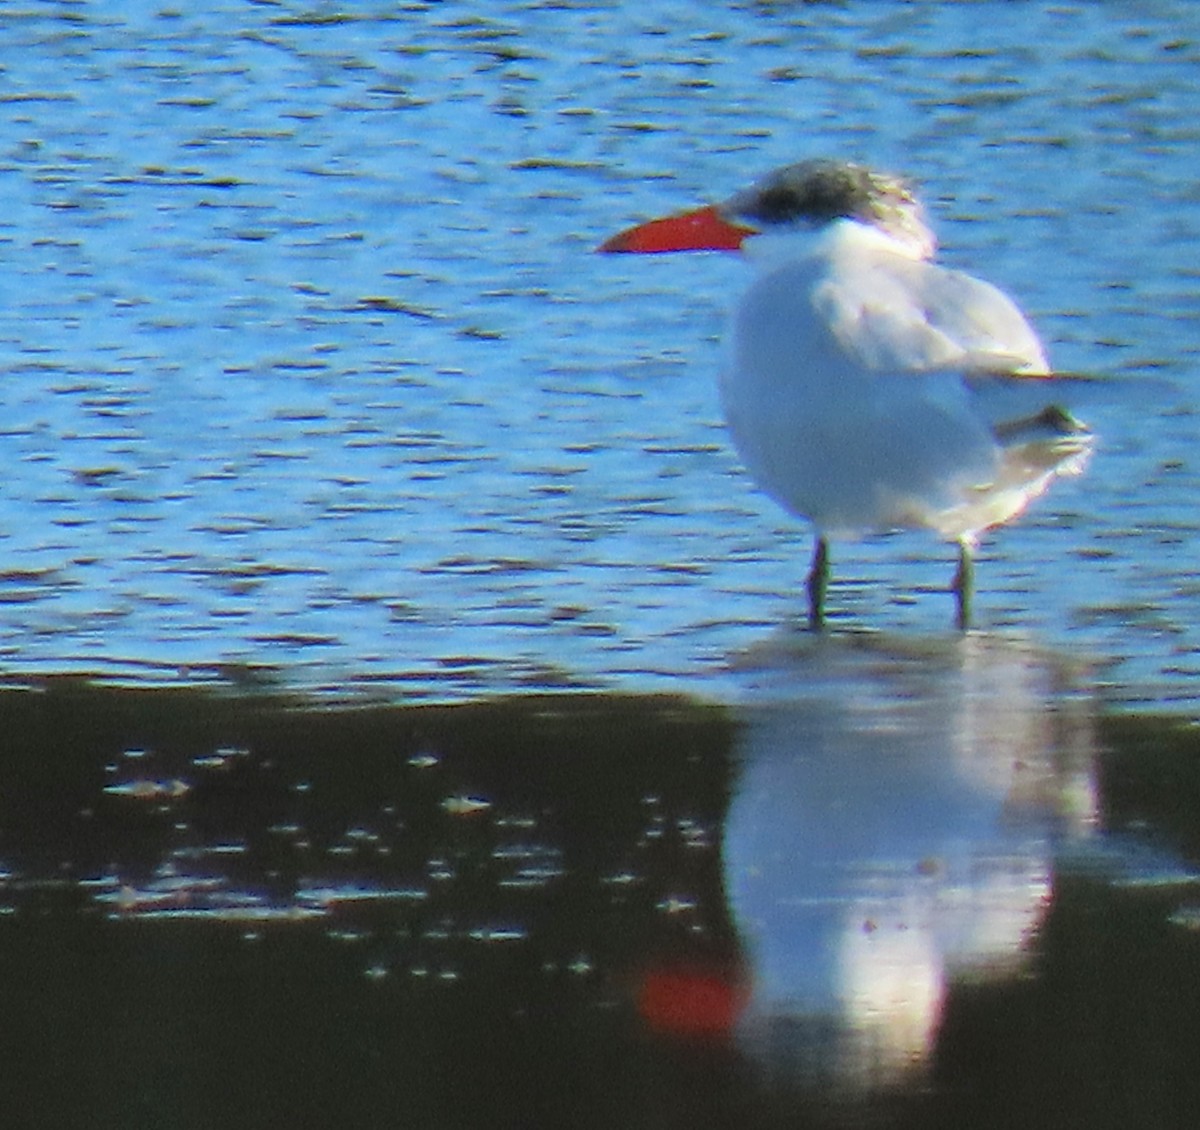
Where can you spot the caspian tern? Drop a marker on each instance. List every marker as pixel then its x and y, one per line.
pixel 867 388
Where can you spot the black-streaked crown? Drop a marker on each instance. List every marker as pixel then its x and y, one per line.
pixel 819 190
pixel 814 192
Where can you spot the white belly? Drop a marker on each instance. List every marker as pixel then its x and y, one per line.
pixel 864 456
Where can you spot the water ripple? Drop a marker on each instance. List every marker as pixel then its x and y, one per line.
pixel 311 368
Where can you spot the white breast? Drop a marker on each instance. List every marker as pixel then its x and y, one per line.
pixel 844 390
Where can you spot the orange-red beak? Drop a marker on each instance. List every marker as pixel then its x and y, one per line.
pixel 704 229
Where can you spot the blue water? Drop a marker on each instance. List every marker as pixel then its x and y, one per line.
pixel 309 365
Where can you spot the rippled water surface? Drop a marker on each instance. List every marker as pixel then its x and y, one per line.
pixel 309 363
pixel 331 442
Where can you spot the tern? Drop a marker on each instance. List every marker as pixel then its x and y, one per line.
pixel 867 388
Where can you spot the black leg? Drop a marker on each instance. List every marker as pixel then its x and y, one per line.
pixel 818 582
pixel 963 586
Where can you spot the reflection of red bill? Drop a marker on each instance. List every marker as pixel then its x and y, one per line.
pixel 690 1001
pixel 704 229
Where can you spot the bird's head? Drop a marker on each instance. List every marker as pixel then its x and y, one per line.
pixel 796 200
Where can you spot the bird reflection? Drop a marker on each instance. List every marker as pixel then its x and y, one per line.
pixel 898 809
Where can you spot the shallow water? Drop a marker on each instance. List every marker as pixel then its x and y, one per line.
pixel 958 895
pixel 311 366
pixel 316 392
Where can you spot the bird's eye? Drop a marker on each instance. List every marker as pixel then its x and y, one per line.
pixel 778 204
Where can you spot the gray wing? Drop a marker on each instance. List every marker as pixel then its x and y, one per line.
pixel 902 315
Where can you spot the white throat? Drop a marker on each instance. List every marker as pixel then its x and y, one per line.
pixel 772 248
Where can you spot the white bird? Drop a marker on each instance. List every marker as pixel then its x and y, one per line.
pixel 867 388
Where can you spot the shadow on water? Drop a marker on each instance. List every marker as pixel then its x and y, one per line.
pixel 919 882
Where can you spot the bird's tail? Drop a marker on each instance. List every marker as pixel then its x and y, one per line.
pixel 1037 433
pixel 1049 441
